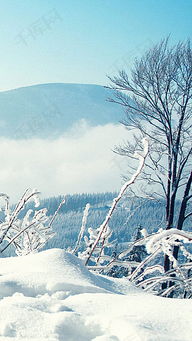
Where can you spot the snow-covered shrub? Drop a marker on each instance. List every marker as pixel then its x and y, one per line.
pixel 150 274
pixel 98 257
pixel 27 233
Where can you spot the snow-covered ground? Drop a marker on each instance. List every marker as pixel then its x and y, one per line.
pixel 51 296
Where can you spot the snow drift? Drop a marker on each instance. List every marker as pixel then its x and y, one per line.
pixel 52 296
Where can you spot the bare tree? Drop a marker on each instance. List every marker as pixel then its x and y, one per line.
pixel 157 97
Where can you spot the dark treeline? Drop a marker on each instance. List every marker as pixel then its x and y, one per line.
pixel 130 213
pixel 76 202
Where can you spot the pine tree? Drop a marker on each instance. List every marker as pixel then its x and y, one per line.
pixel 137 254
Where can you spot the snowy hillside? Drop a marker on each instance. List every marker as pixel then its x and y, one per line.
pixel 51 296
pixel 49 110
pixel 129 214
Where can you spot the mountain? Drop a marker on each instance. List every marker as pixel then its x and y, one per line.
pixel 49 110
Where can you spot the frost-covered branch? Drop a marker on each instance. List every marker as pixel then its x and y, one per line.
pixel 158 245
pixel 10 218
pixel 82 230
pixel 28 233
pixel 141 156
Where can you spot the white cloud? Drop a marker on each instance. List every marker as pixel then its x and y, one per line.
pixel 74 163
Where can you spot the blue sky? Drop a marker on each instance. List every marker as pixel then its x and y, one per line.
pixel 81 41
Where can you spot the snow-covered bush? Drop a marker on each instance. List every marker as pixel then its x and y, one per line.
pixel 29 232
pixel 98 256
pixel 150 274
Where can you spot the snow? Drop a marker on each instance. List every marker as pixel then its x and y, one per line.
pixel 52 296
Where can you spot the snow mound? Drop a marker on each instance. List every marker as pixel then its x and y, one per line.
pixel 50 271
pixel 52 296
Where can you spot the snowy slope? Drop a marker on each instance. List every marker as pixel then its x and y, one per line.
pixel 49 110
pixel 51 296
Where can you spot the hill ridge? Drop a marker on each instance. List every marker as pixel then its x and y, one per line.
pixel 51 109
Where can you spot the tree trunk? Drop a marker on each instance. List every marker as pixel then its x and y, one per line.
pixel 182 212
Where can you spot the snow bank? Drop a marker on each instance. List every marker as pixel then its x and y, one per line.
pixel 51 296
